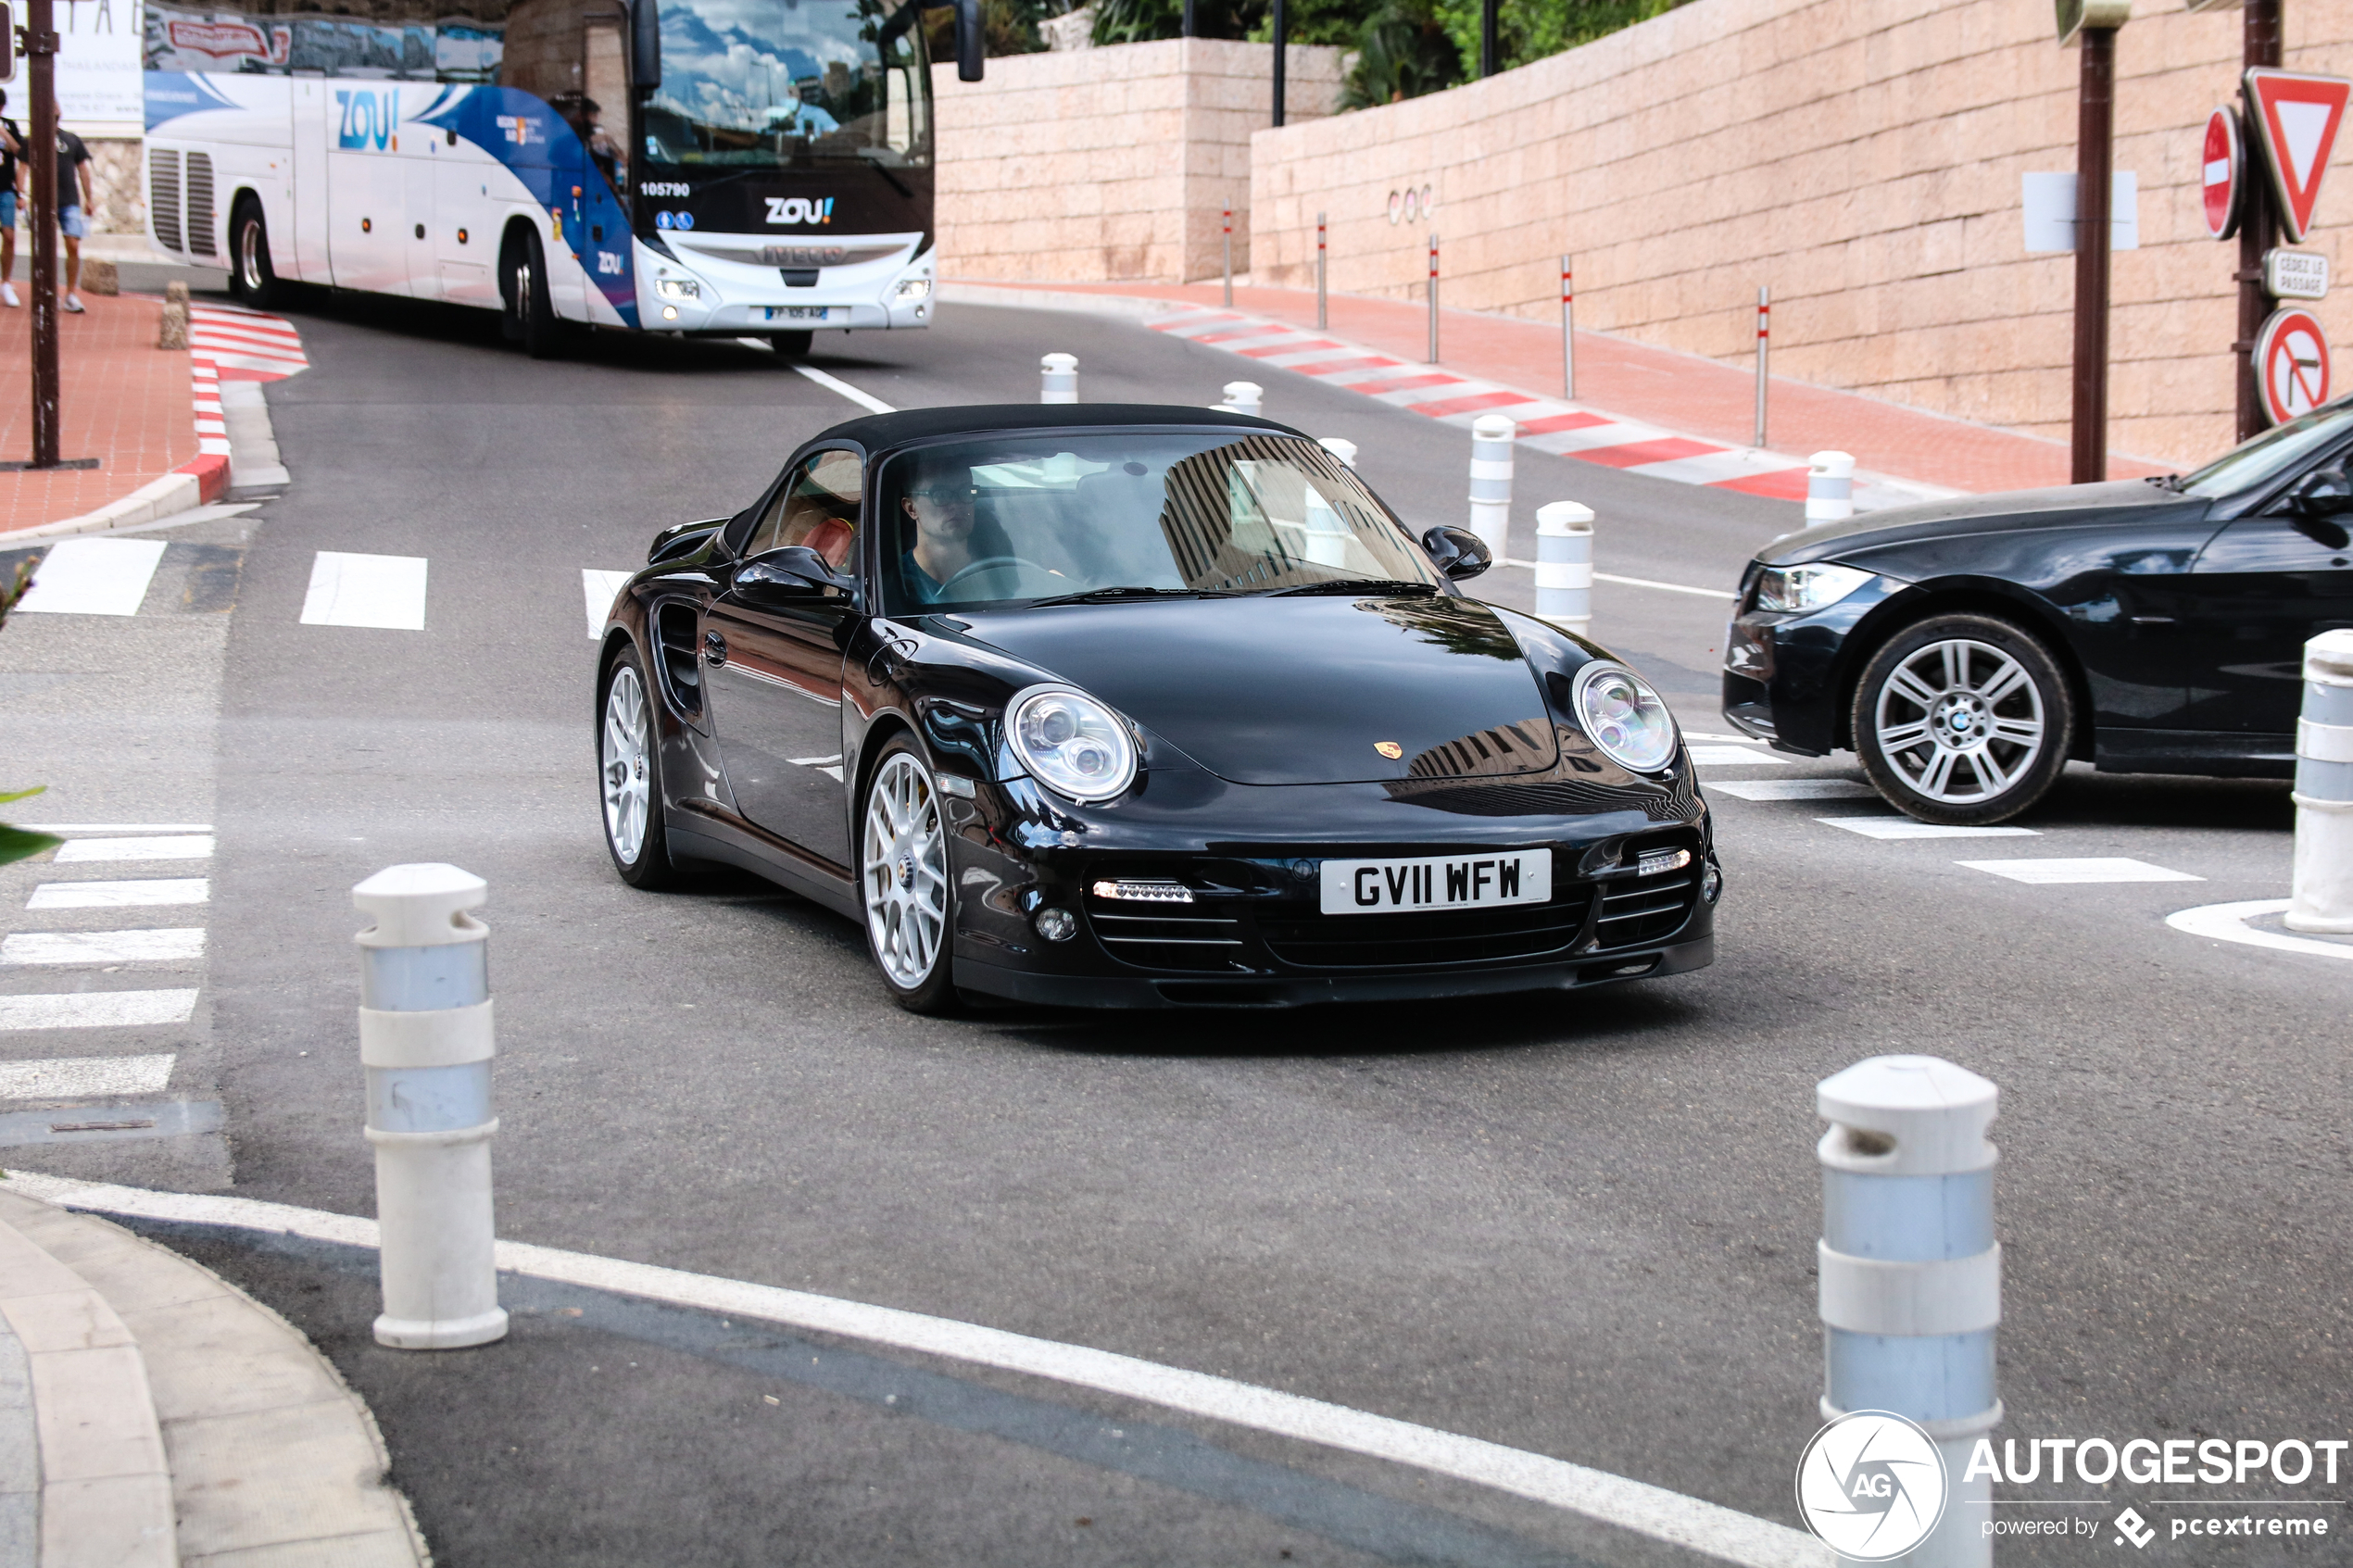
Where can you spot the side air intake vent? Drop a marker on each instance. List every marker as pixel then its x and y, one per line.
pixel 200 205
pixel 163 196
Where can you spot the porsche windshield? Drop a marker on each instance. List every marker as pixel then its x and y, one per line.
pixel 767 83
pixel 1114 515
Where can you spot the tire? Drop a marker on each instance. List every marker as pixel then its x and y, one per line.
pixel 1963 719
pixel 252 279
pixel 629 777
pixel 905 892
pixel 792 345
pixel 530 317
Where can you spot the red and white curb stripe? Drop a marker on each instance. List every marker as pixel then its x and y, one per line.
pixel 1568 430
pixel 226 341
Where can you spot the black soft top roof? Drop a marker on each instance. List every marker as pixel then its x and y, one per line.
pixel 878 433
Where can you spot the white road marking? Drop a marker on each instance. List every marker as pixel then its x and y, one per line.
pixel 92 577
pixel 871 404
pixel 1792 789
pixel 184 846
pixel 119 895
pixel 1704 1527
pixel 380 591
pixel 1906 827
pixel 823 764
pixel 116 827
pixel 1729 740
pixel 1642 582
pixel 597 590
pixel 2227 923
pixel 104 946
pixel 1735 757
pixel 97 1010
pixel 78 1077
pixel 2042 874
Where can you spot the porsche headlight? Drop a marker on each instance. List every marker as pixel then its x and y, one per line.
pixel 1808 587
pixel 1624 717
pixel 1071 743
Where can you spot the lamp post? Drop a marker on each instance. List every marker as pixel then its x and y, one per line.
pixel 41 151
pixel 2092 26
pixel 2258 222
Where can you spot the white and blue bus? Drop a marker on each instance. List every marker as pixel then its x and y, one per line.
pixel 735 168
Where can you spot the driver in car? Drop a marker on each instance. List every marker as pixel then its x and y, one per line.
pixel 940 504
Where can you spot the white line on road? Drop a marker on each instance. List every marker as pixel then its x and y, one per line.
pixel 160 946
pixel 1642 582
pixel 119 895
pixel 76 1077
pixel 597 590
pixel 2227 923
pixel 871 404
pixel 2048 873
pixel 1736 756
pixel 382 591
pixel 1792 789
pixel 97 1010
pixel 1906 827
pixel 116 827
pixel 92 577
pixel 184 846
pixel 1651 1511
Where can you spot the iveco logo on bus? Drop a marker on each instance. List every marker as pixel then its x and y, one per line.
pixel 800 210
pixel 369 119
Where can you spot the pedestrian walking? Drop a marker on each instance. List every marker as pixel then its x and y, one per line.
pixel 73 165
pixel 11 196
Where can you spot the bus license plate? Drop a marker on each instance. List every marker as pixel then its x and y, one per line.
pixel 804 312
pixel 1480 879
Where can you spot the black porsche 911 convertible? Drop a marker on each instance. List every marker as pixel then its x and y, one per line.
pixel 1141 706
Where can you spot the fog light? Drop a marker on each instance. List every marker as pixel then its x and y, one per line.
pixel 670 313
pixel 1711 883
pixel 1055 925
pixel 1662 860
pixel 1145 892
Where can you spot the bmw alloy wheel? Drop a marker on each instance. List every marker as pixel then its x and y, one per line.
pixel 627 739
pixel 1959 721
pixel 905 861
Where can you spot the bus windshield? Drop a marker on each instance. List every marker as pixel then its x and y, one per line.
pixel 768 83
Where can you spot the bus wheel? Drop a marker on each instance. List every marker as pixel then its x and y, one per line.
pixel 792 345
pixel 251 278
pixel 530 315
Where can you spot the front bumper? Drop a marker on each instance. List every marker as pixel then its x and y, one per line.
pixel 1786 674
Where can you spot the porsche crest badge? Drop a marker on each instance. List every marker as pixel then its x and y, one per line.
pixel 1389 749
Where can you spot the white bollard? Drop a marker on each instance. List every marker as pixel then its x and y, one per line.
pixel 425 1040
pixel 1910 1274
pixel 1344 450
pixel 1829 487
pixel 2321 900
pixel 1491 481
pixel 1564 566
pixel 1242 398
pixel 1058 378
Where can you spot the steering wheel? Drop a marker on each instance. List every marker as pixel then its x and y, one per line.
pixel 992 563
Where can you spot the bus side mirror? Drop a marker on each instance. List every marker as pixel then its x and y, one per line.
pixel 970 58
pixel 645 45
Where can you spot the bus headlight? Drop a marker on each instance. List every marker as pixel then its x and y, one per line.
pixel 912 289
pixel 677 288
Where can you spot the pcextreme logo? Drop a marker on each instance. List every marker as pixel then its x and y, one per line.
pixel 1872 1486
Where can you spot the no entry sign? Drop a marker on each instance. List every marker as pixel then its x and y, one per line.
pixel 2223 160
pixel 2295 119
pixel 2292 364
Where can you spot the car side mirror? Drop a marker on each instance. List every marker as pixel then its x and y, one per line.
pixel 2325 492
pixel 792 575
pixel 1456 552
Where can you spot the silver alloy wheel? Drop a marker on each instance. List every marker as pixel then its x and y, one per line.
pixel 1959 721
pixel 250 256
pixel 905 856
pixel 628 798
pixel 522 291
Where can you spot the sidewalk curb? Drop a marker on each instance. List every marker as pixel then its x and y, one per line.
pixel 253 1444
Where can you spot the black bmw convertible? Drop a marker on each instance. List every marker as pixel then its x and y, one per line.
pixel 1141 706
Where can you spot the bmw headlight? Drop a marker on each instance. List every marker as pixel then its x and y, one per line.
pixel 1071 743
pixel 1808 587
pixel 1620 714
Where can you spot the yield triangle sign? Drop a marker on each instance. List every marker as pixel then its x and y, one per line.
pixel 2295 119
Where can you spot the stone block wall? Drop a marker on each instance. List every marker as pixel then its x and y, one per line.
pixel 1860 156
pixel 1109 164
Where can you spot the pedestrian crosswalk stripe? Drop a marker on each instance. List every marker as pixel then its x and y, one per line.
pixel 165 945
pixel 119 895
pixel 387 592
pixel 97 1009
pixel 1791 789
pixel 168 846
pixel 116 827
pixel 1907 827
pixel 92 577
pixel 1735 757
pixel 597 589
pixel 82 1077
pixel 2042 874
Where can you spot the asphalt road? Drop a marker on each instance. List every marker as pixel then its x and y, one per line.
pixel 1583 1227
